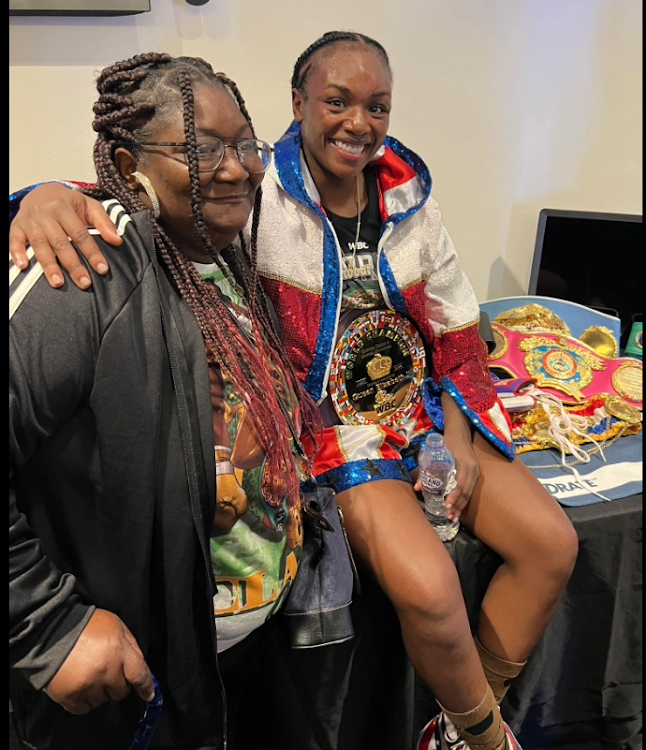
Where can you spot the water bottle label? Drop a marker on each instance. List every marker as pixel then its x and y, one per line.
pixel 433 482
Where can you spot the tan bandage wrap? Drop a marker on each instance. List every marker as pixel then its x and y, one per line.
pixel 481 728
pixel 498 672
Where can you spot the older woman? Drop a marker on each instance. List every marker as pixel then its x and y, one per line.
pixel 154 489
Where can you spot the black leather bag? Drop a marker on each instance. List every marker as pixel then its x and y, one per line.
pixel 317 608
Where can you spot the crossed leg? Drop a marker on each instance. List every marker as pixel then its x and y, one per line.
pixel 510 512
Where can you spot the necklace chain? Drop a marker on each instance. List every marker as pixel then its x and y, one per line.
pixel 356 239
pixel 350 271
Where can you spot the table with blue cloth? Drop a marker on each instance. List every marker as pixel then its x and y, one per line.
pixel 583 683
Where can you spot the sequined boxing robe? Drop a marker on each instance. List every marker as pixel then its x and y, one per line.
pixel 300 264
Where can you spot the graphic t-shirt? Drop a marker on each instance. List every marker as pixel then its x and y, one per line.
pixel 362 292
pixel 255 544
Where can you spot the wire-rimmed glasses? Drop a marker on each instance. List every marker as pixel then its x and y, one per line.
pixel 253 154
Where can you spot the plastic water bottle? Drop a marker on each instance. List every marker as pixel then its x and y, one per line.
pixel 437 472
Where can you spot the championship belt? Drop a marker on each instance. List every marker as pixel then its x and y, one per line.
pixel 377 371
pixel 565 366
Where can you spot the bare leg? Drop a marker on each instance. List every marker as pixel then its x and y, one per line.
pixel 515 516
pixel 392 538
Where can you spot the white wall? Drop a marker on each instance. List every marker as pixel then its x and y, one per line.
pixel 516 105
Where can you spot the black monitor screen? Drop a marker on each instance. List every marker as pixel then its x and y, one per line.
pixel 594 259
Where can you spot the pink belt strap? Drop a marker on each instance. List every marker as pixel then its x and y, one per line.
pixel 565 367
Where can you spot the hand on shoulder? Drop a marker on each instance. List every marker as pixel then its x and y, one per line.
pixel 49 217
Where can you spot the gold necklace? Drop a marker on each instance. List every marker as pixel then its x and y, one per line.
pixel 350 271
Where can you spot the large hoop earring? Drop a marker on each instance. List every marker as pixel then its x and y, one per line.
pixel 150 192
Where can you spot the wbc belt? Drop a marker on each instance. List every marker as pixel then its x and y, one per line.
pixel 377 370
pixel 561 365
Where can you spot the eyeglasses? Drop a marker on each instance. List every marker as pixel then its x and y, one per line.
pixel 254 155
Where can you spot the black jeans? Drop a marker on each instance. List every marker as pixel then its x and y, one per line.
pixel 238 666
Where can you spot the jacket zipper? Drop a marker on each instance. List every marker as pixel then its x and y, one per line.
pixel 205 556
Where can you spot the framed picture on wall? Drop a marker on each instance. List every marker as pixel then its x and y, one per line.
pixel 77 7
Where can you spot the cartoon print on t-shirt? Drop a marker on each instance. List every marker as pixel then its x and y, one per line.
pixel 256 540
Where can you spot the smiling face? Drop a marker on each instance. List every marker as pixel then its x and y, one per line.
pixel 227 194
pixel 344 110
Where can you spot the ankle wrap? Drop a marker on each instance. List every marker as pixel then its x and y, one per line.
pixel 481 728
pixel 499 672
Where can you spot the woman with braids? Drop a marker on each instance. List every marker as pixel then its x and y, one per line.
pixel 155 454
pixel 381 325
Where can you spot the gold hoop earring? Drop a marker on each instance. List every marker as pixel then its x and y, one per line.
pixel 150 192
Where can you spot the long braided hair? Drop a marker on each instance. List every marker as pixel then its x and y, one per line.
pixel 132 94
pixel 303 65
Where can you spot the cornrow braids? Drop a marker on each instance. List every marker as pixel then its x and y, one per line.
pixel 302 70
pixel 132 94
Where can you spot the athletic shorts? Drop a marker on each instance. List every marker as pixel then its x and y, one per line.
pixel 350 455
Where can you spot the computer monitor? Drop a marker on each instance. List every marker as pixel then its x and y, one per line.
pixel 591 258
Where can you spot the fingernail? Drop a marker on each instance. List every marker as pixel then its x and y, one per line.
pixel 21 263
pixel 448 507
pixel 56 279
pixel 102 268
pixel 84 282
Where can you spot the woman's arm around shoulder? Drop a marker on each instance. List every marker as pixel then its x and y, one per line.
pixel 50 218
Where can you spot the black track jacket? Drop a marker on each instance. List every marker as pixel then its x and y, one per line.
pixel 111 495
